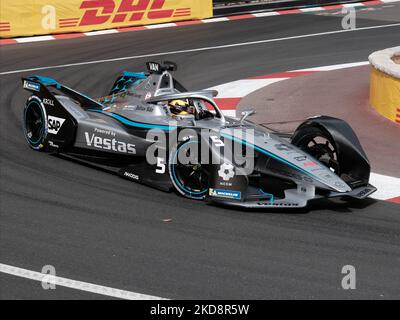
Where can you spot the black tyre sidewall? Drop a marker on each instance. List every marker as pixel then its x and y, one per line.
pixel 178 188
pixel 305 133
pixel 40 144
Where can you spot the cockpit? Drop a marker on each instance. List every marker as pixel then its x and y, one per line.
pixel 158 94
pixel 189 108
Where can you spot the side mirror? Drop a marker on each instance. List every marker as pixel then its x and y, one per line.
pixel 246 113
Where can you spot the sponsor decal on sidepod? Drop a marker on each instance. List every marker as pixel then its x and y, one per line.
pixel 54 124
pixel 49 102
pixel 131 175
pixel 109 144
pixel 229 194
pixel 226 171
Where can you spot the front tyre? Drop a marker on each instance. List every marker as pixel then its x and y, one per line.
pixel 35 123
pixel 190 180
pixel 319 144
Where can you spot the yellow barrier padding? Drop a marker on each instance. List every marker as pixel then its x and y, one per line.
pixel 385 94
pixel 38 17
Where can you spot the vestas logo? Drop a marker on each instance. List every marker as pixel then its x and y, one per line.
pixel 109 144
pixel 103 11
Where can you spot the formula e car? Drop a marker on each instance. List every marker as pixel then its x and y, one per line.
pixel 135 132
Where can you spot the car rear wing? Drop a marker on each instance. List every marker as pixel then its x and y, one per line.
pixel 126 81
pixel 44 85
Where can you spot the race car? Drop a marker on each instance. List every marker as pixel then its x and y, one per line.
pixel 151 130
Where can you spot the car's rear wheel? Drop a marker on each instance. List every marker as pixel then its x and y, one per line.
pixel 189 179
pixel 319 144
pixel 35 123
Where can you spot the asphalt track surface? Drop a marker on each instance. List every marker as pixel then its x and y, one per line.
pixel 98 228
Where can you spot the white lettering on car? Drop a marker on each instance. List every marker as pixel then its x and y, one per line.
pixel 109 144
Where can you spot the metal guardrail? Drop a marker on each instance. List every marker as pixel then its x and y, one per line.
pixel 227 7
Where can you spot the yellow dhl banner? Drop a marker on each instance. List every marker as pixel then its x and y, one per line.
pixel 385 94
pixel 38 17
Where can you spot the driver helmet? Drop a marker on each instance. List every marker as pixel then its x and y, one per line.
pixel 180 107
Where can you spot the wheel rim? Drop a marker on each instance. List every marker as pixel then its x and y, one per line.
pixel 323 150
pixel 191 179
pixel 34 123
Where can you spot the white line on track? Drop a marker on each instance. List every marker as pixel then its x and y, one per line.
pixel 34 39
pixel 160 25
pixel 352 5
pixel 73 284
pixel 265 14
pixel 242 88
pixel 215 20
pixel 313 9
pixel 99 32
pixel 337 66
pixel 388 187
pixel 241 44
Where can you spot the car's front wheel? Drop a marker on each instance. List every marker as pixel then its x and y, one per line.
pixel 319 144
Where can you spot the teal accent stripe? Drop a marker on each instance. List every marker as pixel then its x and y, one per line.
pixel 272 198
pixel 139 75
pixel 134 123
pixel 46 81
pixel 269 154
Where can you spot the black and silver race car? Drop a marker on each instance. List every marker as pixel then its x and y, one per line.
pixel 149 127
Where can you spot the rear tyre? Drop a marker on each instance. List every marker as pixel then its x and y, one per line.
pixel 190 180
pixel 35 123
pixel 319 144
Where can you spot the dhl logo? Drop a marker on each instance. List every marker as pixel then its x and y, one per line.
pixel 98 12
pixel 5 26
